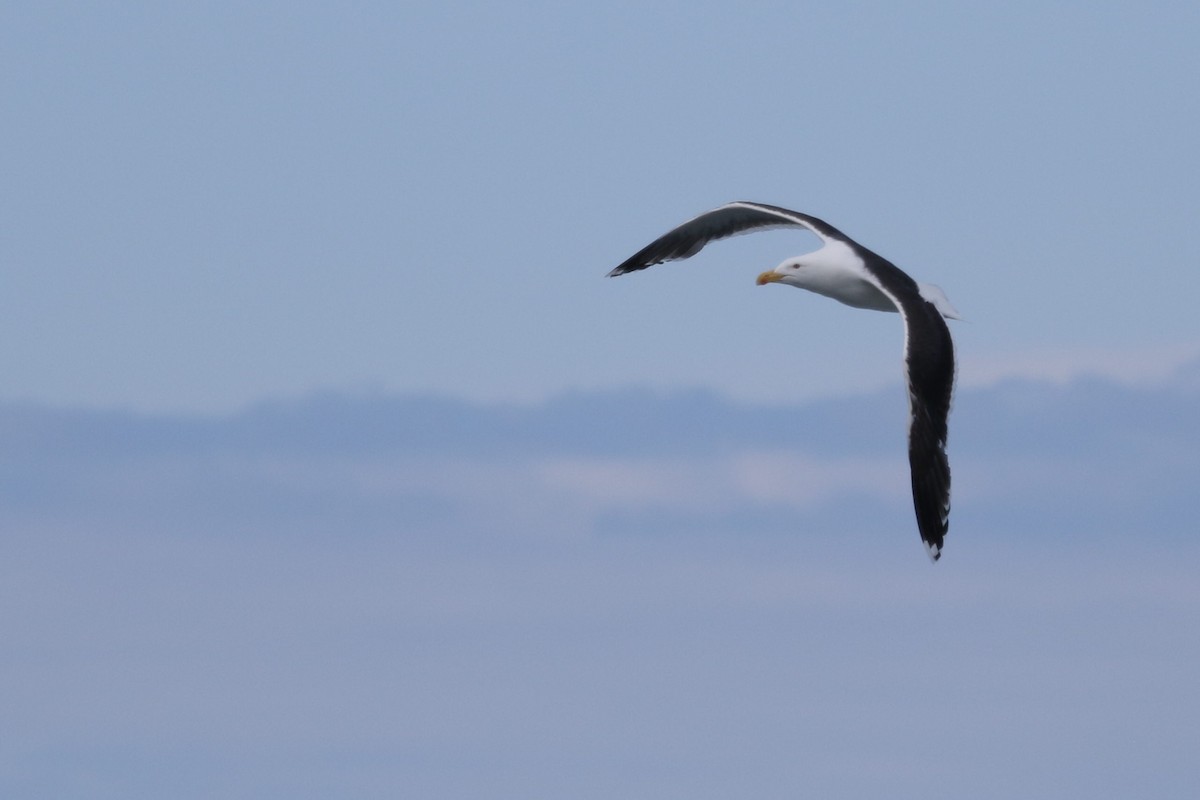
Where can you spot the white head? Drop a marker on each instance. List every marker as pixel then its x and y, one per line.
pixel 834 263
pixel 791 272
pixel 831 270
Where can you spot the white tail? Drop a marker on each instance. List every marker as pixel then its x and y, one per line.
pixel 935 295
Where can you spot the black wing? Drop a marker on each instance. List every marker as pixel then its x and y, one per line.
pixel 741 217
pixel 929 362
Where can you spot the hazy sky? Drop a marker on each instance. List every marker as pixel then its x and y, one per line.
pixel 631 593
pixel 208 204
pixel 382 598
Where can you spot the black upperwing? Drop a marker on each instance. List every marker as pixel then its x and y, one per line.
pixel 929 360
pixel 720 223
pixel 929 370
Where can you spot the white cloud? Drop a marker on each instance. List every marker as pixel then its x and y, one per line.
pixel 722 482
pixel 1133 365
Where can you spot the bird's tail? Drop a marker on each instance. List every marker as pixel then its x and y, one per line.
pixel 935 295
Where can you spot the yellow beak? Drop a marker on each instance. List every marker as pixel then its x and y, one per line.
pixel 769 277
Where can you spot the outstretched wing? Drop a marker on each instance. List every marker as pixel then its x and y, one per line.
pixel 929 364
pixel 740 217
pixel 929 372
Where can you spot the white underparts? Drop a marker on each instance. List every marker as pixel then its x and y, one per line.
pixel 836 271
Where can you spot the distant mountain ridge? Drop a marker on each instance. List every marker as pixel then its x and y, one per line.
pixel 1084 413
pixel 1026 455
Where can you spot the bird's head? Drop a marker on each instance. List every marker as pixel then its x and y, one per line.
pixel 788 272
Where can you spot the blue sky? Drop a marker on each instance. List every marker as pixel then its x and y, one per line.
pixel 208 205
pixel 332 465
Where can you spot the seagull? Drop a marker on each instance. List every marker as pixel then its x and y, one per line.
pixel 850 273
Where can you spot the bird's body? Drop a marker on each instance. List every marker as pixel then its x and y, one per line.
pixel 835 271
pixel 850 273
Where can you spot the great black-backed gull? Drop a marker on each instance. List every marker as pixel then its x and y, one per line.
pixel 850 273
